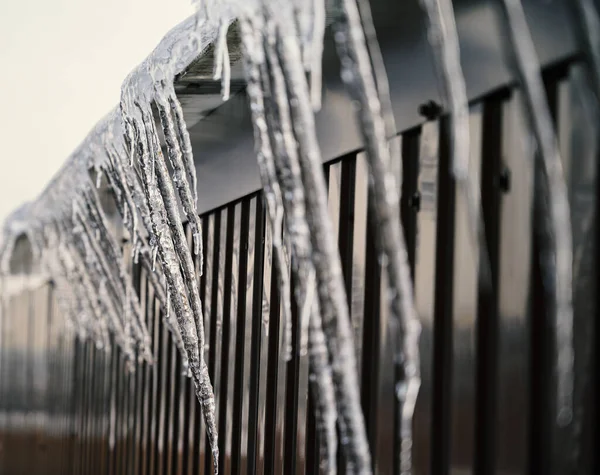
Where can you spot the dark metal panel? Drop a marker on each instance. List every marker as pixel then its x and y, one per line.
pixel 226 169
pixel 424 296
pixel 512 444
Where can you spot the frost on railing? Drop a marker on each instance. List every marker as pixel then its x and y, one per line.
pixel 282 40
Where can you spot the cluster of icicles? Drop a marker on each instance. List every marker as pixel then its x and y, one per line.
pixel 282 42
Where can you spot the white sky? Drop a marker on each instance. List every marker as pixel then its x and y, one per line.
pixel 62 63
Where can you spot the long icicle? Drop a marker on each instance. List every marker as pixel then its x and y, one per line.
pixel 175 282
pixel 177 231
pixel 180 175
pixel 117 180
pixel 357 74
pixel 113 252
pixel 84 256
pixel 118 286
pixel 331 290
pixel 297 228
pixel 289 176
pixel 554 219
pixel 188 165
pixel 273 198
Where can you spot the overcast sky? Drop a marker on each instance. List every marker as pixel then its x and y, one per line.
pixel 62 63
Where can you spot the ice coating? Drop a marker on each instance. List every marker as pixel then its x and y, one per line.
pixel 148 85
pixel 271 189
pixel 117 180
pixel 551 201
pixel 280 171
pixel 150 162
pixel 358 75
pixel 443 37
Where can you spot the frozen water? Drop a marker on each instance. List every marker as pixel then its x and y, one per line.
pixel 551 200
pixel 359 77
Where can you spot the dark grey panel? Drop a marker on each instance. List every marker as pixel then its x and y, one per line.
pixel 223 142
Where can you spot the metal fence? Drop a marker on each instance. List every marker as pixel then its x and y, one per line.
pixel 486 402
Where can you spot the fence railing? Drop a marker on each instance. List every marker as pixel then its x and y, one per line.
pixel 486 402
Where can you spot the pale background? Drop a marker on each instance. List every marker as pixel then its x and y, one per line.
pixel 62 63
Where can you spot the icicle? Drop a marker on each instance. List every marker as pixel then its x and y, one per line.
pixel 554 220
pixel 176 158
pixel 172 270
pixel 324 391
pixel 112 251
pixel 226 81
pixel 336 321
pixel 186 145
pixel 358 75
pixel 289 175
pixel 316 59
pixel 273 198
pixel 330 283
pixel 443 37
pixel 177 231
pixel 220 45
pixel 149 266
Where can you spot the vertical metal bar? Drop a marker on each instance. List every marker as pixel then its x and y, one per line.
pixel 186 422
pixel 112 421
pixel 292 395
pixel 217 299
pixel 186 409
pixel 119 411
pixel 242 341
pixel 487 306
pixel 408 172
pixel 512 446
pixel 579 137
pixel 105 408
pixel 154 395
pixel 89 414
pixel 163 393
pixel 465 274
pixel 232 316
pixel 371 334
pixel 210 262
pixel 149 379
pixel 252 336
pixel 272 367
pixel 260 346
pixel 443 316
pixel 174 377
pixel 228 340
pixel 140 389
pixel 125 419
pixel 426 203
